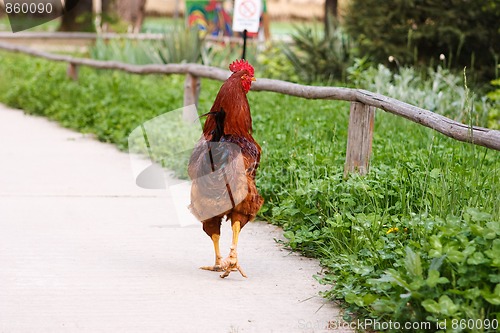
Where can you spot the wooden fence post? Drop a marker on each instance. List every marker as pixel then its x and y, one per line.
pixel 72 71
pixel 191 89
pixel 359 138
pixel 192 86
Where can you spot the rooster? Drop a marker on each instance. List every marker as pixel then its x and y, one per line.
pixel 223 164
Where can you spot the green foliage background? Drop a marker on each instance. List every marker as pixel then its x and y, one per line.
pixel 415 32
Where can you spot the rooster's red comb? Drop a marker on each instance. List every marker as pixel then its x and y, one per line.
pixel 239 65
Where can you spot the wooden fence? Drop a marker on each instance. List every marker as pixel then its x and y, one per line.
pixel 88 38
pixel 91 36
pixel 362 110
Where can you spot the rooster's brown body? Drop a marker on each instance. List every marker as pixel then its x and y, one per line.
pixel 223 165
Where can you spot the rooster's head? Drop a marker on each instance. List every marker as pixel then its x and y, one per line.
pixel 247 72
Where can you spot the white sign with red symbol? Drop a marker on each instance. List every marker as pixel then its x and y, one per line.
pixel 246 15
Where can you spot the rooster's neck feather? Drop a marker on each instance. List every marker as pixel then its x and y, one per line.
pixel 233 100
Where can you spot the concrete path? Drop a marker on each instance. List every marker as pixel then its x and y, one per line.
pixel 83 249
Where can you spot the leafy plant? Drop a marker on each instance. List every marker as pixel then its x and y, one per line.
pixel 274 64
pixel 451 274
pixel 177 46
pixel 181 45
pixel 494 113
pixel 319 57
pixel 438 90
pixel 125 50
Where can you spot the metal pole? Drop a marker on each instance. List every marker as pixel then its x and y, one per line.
pixel 244 44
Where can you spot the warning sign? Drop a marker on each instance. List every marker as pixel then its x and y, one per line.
pixel 246 15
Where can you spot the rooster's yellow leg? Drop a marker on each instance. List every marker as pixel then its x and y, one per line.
pixel 231 262
pixel 218 258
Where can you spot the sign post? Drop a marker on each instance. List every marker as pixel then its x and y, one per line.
pixel 246 18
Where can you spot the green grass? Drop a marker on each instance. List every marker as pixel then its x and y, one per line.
pixel 415 240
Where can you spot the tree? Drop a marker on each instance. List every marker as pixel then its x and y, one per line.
pixel 331 13
pixel 117 15
pixel 77 16
pixel 132 12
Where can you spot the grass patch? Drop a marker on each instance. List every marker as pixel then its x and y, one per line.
pixel 415 240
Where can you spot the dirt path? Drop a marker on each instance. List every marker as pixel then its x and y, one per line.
pixel 82 249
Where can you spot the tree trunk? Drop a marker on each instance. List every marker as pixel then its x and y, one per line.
pixel 132 12
pixel 331 13
pixel 77 16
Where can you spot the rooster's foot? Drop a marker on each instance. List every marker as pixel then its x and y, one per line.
pixel 231 264
pixel 214 268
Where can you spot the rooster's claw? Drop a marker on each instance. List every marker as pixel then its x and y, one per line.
pixel 215 268
pixel 231 264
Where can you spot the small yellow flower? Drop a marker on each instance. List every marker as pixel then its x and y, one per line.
pixel 395 229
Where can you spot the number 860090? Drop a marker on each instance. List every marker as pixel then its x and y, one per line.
pixel 28 8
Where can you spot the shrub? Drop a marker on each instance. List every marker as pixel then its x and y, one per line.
pixel 438 90
pixel 177 46
pixel 417 32
pixel 125 50
pixel 319 57
pixel 274 64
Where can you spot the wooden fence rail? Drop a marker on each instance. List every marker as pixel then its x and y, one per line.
pixel 362 108
pixel 42 35
pixel 92 37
